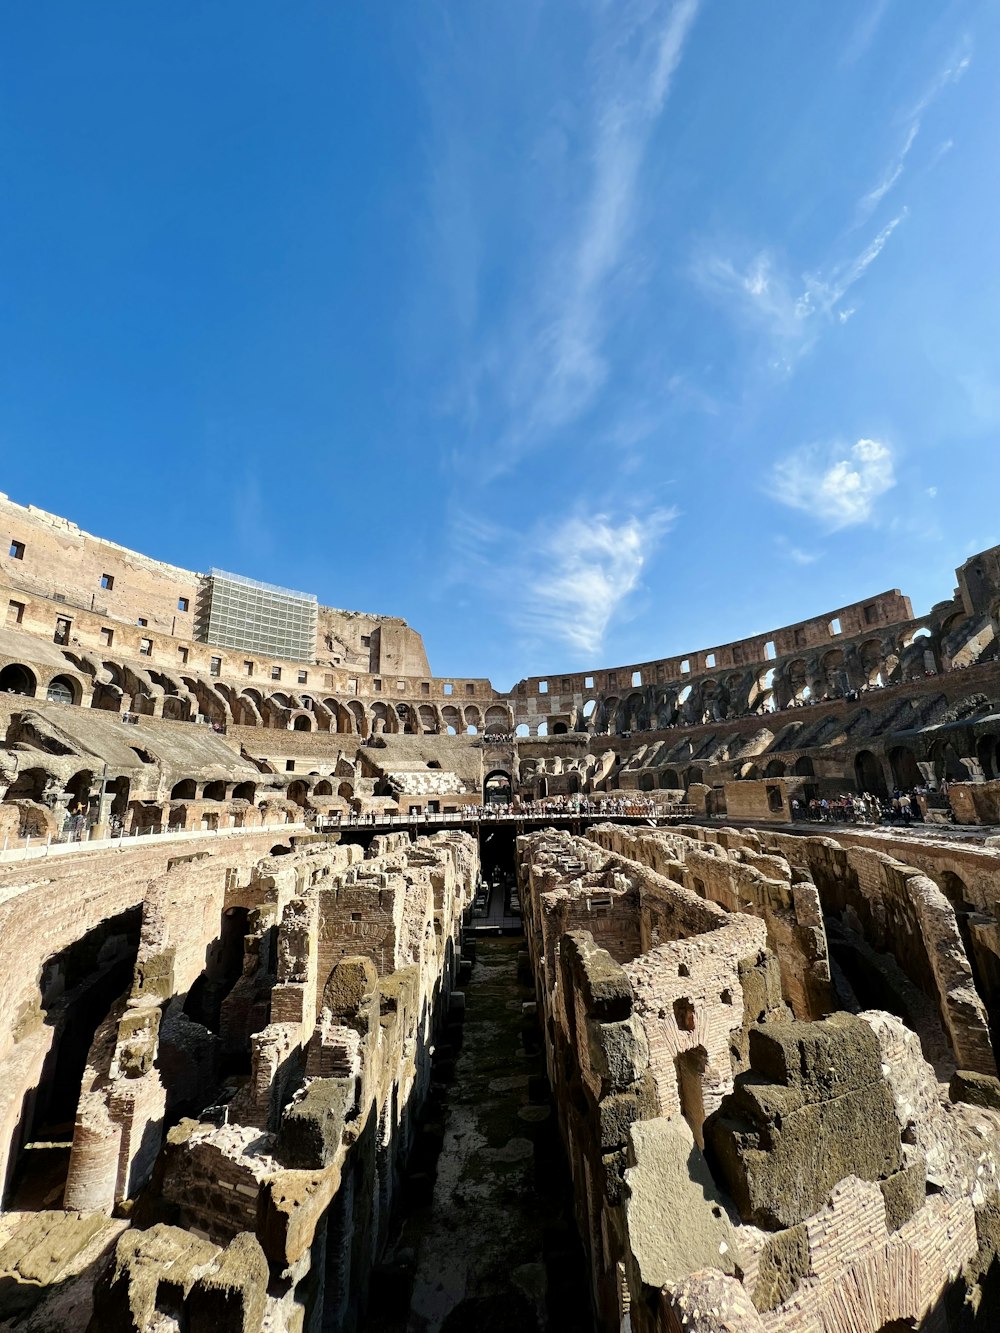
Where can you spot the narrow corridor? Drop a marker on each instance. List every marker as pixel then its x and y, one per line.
pixel 485 1239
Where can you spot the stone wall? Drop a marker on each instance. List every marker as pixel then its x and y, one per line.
pixel 736 1168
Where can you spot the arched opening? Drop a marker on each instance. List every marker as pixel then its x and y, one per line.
pixel 498 789
pixel 695 774
pixel 804 767
pixel 774 801
pixel 244 791
pixel 986 751
pixel 669 781
pixel 214 791
pixel 78 987
pixel 302 723
pixel 17 679
pixel 559 729
pixel 29 785
pixel 647 781
pixel 185 790
pixel 775 769
pixel 868 774
pixel 905 771
pixel 691 1066
pixel 543 729
pixel 947 764
pixel 522 729
pixel 297 792
pixel 62 690
pixel 323 789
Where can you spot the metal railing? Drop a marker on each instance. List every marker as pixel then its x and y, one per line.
pixel 331 824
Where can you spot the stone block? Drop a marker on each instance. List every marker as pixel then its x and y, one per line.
pixel 676 1218
pixel 783 1263
pixel 312 1128
pixel 976 1089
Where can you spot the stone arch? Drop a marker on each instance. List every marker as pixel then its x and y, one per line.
pixel 775 769
pixel 355 711
pixel 498 787
pixel 64 690
pixel 904 768
pixel 244 791
pixel 214 791
pixel 303 722
pixel 15 678
pixel 185 790
pixel 497 719
pixel 868 773
pixel 804 767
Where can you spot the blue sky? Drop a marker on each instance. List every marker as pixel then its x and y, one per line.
pixel 575 333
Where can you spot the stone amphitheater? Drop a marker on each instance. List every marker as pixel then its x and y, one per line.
pixel 343 996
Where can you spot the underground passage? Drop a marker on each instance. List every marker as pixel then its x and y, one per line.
pixel 484 1236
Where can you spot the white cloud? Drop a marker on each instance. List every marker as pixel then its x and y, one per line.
pixel 541 360
pixel 796 553
pixel 765 294
pixel 952 72
pixel 572 578
pixel 564 363
pixel 838 491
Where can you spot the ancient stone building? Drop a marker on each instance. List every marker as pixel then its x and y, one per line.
pixel 246 844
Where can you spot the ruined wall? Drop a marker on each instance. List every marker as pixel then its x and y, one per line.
pixel 735 1168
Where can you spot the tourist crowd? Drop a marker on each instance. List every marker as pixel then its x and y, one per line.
pixel 902 807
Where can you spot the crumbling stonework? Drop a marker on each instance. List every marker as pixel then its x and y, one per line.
pixel 772 1052
pixel 249 1098
pixel 739 1164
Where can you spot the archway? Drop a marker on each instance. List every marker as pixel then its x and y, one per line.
pixel 803 767
pixel 498 788
pixel 62 690
pixel 868 774
pixel 214 791
pixel 986 751
pixel 17 679
pixel 775 769
pixel 905 772
pixel 302 723
pixel 185 790
pixel 244 791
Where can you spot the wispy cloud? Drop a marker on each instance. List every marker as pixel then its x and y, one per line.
pixel 763 292
pixel 870 201
pixel 567 351
pixel 837 488
pixel 542 362
pixel 863 33
pixel 795 553
pixel 953 70
pixel 573 578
